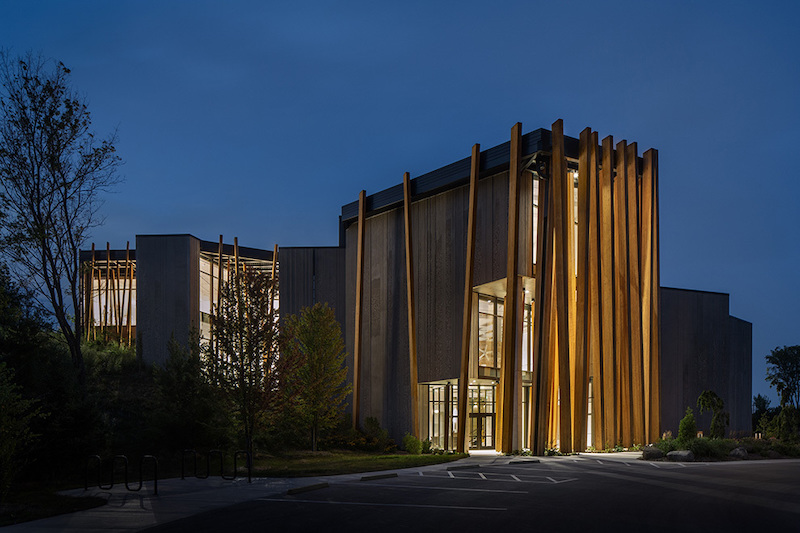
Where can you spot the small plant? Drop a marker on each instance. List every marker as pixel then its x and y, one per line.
pixel 412 444
pixel 618 448
pixel 635 448
pixel 426 446
pixel 552 452
pixel 687 430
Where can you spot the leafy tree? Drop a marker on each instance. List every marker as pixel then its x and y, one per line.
pixel 52 172
pixel 245 361
pixel 709 401
pixel 783 373
pixel 316 338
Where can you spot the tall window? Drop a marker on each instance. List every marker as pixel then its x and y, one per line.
pixel 490 330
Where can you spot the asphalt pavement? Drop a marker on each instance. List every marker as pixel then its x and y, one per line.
pixel 588 492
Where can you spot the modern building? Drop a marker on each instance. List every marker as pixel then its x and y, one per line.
pixel 516 290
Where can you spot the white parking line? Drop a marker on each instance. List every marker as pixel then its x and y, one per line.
pixel 515 477
pixel 482 476
pixel 464 489
pixel 292 500
pixel 655 465
pixel 451 474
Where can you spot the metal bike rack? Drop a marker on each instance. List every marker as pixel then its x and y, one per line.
pixel 221 455
pixel 124 460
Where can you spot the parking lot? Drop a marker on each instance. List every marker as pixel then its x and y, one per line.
pixel 587 492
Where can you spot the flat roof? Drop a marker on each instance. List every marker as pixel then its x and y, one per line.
pixel 492 161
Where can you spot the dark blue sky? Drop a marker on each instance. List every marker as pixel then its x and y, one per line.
pixel 261 119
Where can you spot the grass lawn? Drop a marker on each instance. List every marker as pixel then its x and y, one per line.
pixel 301 464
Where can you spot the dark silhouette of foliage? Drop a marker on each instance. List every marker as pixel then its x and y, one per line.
pixel 16 416
pixel 709 401
pixel 783 373
pixel 315 338
pixel 52 172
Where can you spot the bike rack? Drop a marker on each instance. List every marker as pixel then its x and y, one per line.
pixel 124 459
pixel 221 455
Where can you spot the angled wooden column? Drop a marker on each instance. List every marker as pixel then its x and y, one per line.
pixel 646 263
pixel 362 200
pixel 273 276
pixel 412 319
pixel 651 166
pixel 634 299
pixel 606 281
pixel 622 293
pixel 131 278
pixel 236 256
pixel 581 367
pixel 542 312
pixel 508 382
pixel 594 317
pixel 564 273
pixel 466 324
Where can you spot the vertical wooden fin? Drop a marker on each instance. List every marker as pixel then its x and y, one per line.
pixel 131 278
pixel 564 275
pixel 654 407
pixel 607 323
pixel 362 200
pixel 583 297
pixel 466 333
pixel 622 293
pixel 634 298
pixel 236 256
pixel 412 320
pixel 508 362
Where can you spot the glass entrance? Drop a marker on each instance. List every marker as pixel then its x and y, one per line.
pixel 481 417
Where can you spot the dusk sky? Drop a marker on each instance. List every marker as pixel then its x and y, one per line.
pixel 261 119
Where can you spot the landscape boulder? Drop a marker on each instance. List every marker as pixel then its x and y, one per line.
pixel 651 453
pixel 681 456
pixel 738 453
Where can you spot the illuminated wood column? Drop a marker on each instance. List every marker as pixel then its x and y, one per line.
pixel 508 382
pixel 542 379
pixel 635 301
pixel 621 293
pixel 605 228
pixel 583 297
pixel 359 301
pixel 650 293
pixel 466 327
pixel 412 320
pixel 595 354
pixel 563 279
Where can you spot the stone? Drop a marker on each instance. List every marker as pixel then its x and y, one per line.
pixel 681 456
pixel 651 453
pixel 738 453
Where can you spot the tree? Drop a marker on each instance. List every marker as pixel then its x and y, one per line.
pixel 245 361
pixel 316 338
pixel 783 373
pixel 709 401
pixel 52 173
